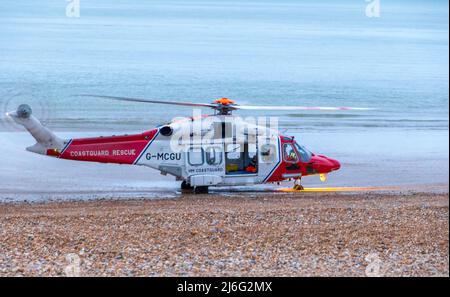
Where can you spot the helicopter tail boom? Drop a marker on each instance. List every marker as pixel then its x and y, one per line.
pixel 125 149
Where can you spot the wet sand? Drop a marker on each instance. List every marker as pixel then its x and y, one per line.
pixel 292 234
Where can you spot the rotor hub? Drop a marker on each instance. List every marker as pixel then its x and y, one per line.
pixel 224 106
pixel 224 101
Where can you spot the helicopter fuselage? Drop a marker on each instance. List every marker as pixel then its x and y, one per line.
pixel 216 150
pixel 259 158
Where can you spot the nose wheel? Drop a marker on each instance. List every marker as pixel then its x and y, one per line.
pixel 298 184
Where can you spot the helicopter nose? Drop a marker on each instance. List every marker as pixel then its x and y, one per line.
pixel 324 164
pixel 336 164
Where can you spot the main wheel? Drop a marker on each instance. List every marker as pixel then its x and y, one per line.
pixel 201 190
pixel 186 187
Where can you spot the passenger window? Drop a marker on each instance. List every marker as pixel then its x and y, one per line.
pixel 213 156
pixel 195 156
pixel 289 153
pixel 233 151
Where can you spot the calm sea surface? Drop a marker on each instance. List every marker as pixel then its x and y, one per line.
pixel 256 52
pixel 318 53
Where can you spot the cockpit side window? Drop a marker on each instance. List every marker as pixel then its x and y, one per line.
pixel 289 153
pixel 305 155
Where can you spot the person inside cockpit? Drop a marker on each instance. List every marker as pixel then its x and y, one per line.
pixel 289 153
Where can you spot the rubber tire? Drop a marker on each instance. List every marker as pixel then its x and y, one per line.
pixel 186 187
pixel 298 187
pixel 201 190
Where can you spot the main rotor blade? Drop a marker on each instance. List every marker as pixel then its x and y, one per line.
pixel 267 107
pixel 231 106
pixel 150 101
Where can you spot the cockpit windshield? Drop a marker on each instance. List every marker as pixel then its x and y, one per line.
pixel 305 155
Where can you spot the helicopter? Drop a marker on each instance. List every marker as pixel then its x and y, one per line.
pixel 202 151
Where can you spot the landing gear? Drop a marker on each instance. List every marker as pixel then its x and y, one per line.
pixel 298 184
pixel 187 188
pixel 201 190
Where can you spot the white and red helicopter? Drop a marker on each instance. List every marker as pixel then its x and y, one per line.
pixel 235 152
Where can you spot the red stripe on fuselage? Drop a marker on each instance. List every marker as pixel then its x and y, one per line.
pixel 110 149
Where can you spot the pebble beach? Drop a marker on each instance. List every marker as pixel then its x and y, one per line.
pixel 297 234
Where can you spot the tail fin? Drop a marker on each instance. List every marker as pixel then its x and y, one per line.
pixel 44 137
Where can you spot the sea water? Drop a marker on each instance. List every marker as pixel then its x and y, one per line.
pixel 273 52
